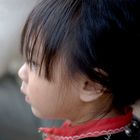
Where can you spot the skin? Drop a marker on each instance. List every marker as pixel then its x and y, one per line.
pixel 44 96
pixel 78 101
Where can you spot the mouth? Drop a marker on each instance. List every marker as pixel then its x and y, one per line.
pixel 23 90
pixel 27 99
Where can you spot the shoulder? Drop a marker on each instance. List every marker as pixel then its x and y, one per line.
pixel 132 132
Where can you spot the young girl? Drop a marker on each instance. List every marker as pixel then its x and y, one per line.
pixel 81 65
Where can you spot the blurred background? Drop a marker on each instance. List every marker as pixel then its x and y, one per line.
pixel 16 119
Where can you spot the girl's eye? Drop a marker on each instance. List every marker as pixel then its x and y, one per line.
pixel 34 66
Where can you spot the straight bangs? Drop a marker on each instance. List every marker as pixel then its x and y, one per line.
pixel 39 42
pixel 32 44
pixel 45 33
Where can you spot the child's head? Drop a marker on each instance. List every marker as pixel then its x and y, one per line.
pixel 80 54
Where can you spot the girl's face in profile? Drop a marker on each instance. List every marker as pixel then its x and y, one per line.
pixel 48 99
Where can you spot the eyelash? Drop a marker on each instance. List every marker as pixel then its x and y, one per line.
pixel 33 65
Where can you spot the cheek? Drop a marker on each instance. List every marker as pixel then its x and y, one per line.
pixel 43 99
pixel 39 93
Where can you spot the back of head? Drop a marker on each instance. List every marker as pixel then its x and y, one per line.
pixel 97 38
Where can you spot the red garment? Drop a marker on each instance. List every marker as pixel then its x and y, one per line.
pixel 92 128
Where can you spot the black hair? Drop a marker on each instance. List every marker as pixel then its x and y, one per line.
pixel 91 35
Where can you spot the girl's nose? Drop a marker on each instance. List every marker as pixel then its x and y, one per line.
pixel 23 72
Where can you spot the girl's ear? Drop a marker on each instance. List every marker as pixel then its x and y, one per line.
pixel 90 91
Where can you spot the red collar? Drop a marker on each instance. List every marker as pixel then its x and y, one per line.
pixel 92 128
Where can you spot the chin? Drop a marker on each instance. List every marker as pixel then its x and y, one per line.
pixel 38 114
pixel 43 116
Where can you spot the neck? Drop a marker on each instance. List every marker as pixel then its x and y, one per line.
pixel 91 116
pixel 98 109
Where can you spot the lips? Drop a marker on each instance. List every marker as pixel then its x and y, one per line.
pixel 27 99
pixel 23 90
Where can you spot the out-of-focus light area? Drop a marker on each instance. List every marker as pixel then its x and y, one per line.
pixel 16 119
